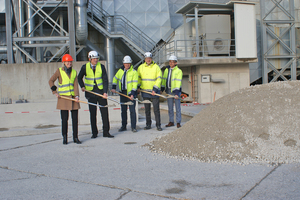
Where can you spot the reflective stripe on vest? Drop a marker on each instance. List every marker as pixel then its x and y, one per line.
pixel 67 86
pixel 90 77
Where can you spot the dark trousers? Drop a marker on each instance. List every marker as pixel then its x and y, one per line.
pixel 64 114
pixel 104 115
pixel 124 111
pixel 155 103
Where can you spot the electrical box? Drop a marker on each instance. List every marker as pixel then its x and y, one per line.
pixel 205 78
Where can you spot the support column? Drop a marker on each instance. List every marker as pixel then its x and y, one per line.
pixel 197 30
pixel 71 22
pixel 110 56
pixel 8 32
pixel 293 43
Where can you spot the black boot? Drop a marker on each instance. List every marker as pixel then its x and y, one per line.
pixel 65 140
pixel 76 140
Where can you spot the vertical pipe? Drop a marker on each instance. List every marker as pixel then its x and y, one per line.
pixel 41 49
pixel 72 42
pixel 8 32
pixel 110 53
pixel 185 36
pixel 263 42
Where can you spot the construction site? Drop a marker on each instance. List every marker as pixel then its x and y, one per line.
pixel 240 126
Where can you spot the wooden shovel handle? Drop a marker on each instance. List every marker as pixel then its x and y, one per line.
pixel 123 95
pixel 155 94
pixel 100 95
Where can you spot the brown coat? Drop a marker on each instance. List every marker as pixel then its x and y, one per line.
pixel 64 104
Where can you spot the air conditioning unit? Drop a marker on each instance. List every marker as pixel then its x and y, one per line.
pixel 216 34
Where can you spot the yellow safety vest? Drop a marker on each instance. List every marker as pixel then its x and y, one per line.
pixel 131 79
pixel 149 76
pixel 66 88
pixel 176 78
pixel 90 77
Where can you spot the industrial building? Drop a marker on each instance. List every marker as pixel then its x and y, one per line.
pixel 222 46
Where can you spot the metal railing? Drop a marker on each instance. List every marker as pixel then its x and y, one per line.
pixel 118 24
pixel 186 49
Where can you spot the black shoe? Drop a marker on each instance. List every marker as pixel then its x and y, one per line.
pixel 94 136
pixel 108 135
pixel 133 130
pixel 159 128
pixel 76 140
pixel 65 140
pixel 147 127
pixel 122 129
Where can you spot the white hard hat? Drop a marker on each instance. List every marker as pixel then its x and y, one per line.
pixel 127 59
pixel 93 54
pixel 147 55
pixel 173 58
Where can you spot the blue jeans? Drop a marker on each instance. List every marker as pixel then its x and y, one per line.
pixel 171 108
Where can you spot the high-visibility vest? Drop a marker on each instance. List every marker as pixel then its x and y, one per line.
pixel 66 87
pixel 90 77
pixel 149 76
pixel 131 79
pixel 176 78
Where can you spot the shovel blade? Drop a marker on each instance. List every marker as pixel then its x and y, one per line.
pixel 128 103
pixel 145 101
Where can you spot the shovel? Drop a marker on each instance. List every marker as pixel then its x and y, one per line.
pixel 156 94
pixel 100 95
pixel 81 101
pixel 145 101
pixel 185 99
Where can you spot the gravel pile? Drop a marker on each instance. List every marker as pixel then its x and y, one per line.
pixel 258 124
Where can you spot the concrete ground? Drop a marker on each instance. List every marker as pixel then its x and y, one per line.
pixel 36 165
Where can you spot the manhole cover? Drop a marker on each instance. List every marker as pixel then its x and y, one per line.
pixel 129 142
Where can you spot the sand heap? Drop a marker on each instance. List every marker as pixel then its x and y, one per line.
pixel 259 124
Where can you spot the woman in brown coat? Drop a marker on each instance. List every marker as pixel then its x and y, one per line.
pixel 67 87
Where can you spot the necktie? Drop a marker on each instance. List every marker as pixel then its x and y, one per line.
pixel 124 81
pixel 169 78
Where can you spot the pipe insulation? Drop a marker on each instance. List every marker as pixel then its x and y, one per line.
pixel 81 21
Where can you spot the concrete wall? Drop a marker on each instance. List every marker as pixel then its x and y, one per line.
pixel 31 80
pixel 233 77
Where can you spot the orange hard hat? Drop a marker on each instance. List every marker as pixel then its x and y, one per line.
pixel 66 58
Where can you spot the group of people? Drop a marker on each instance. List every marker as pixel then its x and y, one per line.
pixel 147 79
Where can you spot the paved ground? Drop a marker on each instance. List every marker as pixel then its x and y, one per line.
pixel 39 166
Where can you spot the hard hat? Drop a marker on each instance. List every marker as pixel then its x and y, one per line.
pixel 93 54
pixel 127 59
pixel 66 58
pixel 147 55
pixel 173 58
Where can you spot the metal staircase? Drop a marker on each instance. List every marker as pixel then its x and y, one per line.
pixel 117 26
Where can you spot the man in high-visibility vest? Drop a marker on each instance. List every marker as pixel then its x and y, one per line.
pixel 150 80
pixel 95 80
pixel 172 85
pixel 127 80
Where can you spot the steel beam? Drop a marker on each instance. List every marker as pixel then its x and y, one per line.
pixel 72 49
pixel 8 15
